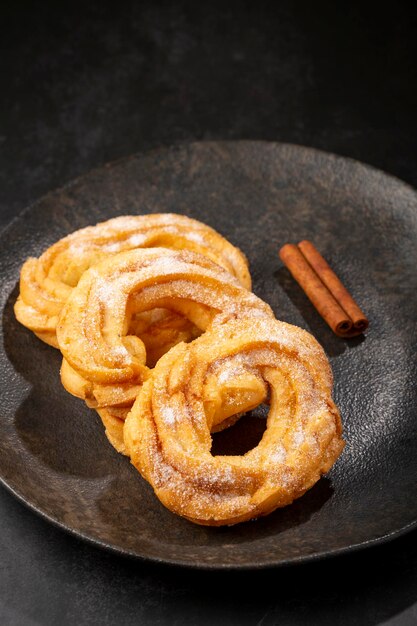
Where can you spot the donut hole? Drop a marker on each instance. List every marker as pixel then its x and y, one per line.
pixel 243 436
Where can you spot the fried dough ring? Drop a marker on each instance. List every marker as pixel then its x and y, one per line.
pixel 167 433
pixel 47 282
pixel 105 366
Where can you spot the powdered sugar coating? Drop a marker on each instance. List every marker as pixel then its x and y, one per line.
pixel 168 415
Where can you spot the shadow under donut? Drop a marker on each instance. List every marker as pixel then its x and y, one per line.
pixel 244 435
pixel 51 425
pixel 131 515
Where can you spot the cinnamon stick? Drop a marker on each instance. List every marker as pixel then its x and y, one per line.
pixel 324 289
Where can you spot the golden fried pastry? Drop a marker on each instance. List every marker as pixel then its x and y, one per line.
pixel 47 282
pixel 106 366
pixel 113 422
pixel 167 432
pixel 160 330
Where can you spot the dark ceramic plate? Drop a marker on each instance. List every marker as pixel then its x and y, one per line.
pixel 53 452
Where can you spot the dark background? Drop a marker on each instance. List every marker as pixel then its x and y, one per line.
pixel 83 84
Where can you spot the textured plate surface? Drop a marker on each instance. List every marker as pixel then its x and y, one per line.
pixel 53 452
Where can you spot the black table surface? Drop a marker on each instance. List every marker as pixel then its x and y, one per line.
pixel 92 82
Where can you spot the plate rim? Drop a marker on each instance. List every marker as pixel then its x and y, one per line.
pixel 175 561
pixel 207 566
pixel 178 144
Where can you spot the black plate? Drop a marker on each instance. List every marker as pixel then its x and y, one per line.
pixel 53 452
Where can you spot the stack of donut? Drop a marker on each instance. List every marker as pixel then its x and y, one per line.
pixel 160 334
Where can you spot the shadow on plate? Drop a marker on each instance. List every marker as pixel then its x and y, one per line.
pixel 132 514
pixel 53 426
